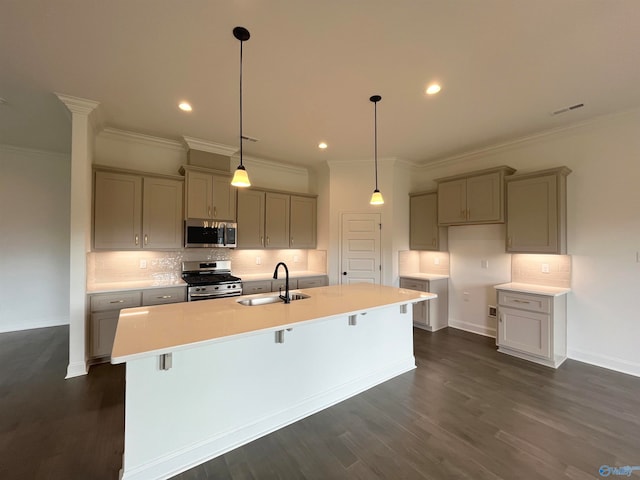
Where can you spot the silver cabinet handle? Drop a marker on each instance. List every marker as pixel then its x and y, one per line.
pixel 164 296
pixel 137 239
pixel 267 240
pixel 117 301
pixel 146 239
pixel 291 240
pixel 521 301
pixel 262 241
pixel 209 211
pixel 215 212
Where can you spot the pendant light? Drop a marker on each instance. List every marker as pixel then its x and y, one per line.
pixel 240 177
pixel 376 197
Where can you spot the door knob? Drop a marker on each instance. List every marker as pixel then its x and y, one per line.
pixel 344 273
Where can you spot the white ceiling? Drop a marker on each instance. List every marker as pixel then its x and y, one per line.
pixel 311 66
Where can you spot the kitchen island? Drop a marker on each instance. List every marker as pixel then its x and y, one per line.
pixel 206 377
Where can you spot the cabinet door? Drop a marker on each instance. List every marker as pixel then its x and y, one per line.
pixel 117 211
pixel 532 215
pixel 303 222
pixel 250 219
pixel 103 332
pixel 525 331
pixel 162 214
pixel 259 286
pixel 452 202
pixel 312 282
pixel 484 198
pixel 423 222
pixel 224 199
pixel 199 194
pixel 276 220
pixel 421 314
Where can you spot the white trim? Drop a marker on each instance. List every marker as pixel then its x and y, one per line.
pixel 605 361
pixel 284 167
pixel 196 454
pixel 111 133
pixel 208 146
pixel 32 151
pixel 76 369
pixel 473 328
pixel 77 104
pixel 499 147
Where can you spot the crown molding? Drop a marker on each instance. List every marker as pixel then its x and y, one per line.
pixel 381 161
pixel 141 138
pixel 270 164
pixel 516 142
pixel 77 105
pixel 207 146
pixel 33 152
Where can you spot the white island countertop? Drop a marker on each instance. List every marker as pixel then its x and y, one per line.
pixel 155 330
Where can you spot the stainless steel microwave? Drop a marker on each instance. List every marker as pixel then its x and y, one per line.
pixel 209 234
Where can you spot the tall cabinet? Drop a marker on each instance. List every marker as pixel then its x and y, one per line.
pixel 424 232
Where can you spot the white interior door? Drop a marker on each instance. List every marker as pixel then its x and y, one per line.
pixel 360 250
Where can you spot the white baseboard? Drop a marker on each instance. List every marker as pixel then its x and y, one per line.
pixel 18 327
pixel 196 454
pixel 605 361
pixel 473 328
pixel 76 369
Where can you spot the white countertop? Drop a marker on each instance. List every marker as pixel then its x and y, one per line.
pixel 423 276
pixel 144 331
pixel 532 288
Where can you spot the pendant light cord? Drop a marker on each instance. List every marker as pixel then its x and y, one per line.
pixel 375 138
pixel 241 42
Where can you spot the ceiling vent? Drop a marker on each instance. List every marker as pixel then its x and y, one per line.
pixel 567 109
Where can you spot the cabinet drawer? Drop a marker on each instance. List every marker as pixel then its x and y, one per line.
pixel 524 301
pixel 311 282
pixel 278 284
pixel 159 296
pixel 249 288
pixel 114 301
pixel 410 284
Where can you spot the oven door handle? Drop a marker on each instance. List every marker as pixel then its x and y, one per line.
pixel 202 295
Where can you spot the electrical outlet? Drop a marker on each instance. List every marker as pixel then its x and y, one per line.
pixel 484 263
pixel 143 263
pixel 545 268
pixel 295 259
pixel 465 296
pixel 258 261
pixel 436 261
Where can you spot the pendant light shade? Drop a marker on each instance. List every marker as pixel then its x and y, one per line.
pixel 376 197
pixel 240 177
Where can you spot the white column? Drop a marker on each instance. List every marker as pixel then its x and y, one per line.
pixel 82 135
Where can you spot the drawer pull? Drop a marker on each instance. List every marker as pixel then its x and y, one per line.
pixel 164 296
pixel 521 301
pixel 116 301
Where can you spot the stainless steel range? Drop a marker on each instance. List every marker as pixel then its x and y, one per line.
pixel 210 279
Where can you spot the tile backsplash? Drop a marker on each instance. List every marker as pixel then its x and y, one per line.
pixel 415 261
pixel 527 268
pixel 132 266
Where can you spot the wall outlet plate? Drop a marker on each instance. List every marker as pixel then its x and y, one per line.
pixel 492 311
pixel 545 268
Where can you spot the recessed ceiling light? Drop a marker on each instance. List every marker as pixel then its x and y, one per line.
pixel 322 145
pixel 185 107
pixel 433 89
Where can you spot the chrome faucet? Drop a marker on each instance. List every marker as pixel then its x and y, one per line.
pixel 286 298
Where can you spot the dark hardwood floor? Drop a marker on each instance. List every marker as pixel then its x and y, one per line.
pixel 466 412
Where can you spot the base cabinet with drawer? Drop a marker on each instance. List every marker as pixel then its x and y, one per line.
pixel 105 310
pixel 433 314
pixel 533 327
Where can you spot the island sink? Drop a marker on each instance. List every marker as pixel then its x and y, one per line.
pixel 251 302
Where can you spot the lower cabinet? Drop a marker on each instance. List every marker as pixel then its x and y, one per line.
pixel 105 310
pixel 256 286
pixel 433 314
pixel 263 286
pixel 281 284
pixel 532 327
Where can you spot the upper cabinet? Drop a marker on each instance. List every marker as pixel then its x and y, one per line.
pixel 303 222
pixel 424 232
pixel 275 220
pixel 472 198
pixel 537 212
pixel 132 211
pixel 209 194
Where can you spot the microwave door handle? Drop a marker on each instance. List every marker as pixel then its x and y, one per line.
pixel 224 234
